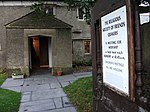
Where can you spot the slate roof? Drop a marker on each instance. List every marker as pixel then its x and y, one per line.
pixel 35 20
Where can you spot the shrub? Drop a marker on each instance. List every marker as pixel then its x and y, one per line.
pixel 82 62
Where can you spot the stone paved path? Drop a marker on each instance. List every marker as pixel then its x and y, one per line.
pixel 44 93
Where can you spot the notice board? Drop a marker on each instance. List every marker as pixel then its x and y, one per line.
pixel 115 49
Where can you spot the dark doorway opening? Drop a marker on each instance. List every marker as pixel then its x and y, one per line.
pixel 38 46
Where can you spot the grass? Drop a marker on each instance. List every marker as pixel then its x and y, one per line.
pixel 9 100
pixel 80 94
pixel 2 78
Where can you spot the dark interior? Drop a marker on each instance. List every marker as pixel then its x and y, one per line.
pixel 39 52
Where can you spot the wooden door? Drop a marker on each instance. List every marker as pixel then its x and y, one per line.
pixel 43 51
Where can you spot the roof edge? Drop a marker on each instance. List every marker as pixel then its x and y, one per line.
pixel 8 25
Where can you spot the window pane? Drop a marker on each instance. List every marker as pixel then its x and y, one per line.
pixel 80 12
pixel 49 11
pixel 87 46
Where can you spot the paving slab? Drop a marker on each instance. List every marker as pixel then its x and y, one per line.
pixel 28 88
pixel 63 84
pixel 68 109
pixel 66 78
pixel 17 89
pixel 29 78
pixel 52 93
pixel 44 93
pixel 26 93
pixel 50 80
pixel 38 102
pixel 35 88
pixel 32 82
pixel 66 102
pixel 83 73
pixel 83 76
pixel 37 106
pixel 58 102
pixel 41 77
pixel 41 107
pixel 13 83
pixel 55 85
pixel 26 98
pixel 11 79
pixel 43 87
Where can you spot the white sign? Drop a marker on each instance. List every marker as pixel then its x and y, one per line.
pixel 115 50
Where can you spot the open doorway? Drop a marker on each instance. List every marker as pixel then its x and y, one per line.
pixel 40 48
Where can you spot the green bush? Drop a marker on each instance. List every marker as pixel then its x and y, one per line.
pixel 82 62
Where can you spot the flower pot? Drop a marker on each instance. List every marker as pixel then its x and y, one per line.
pixel 59 73
pixel 18 76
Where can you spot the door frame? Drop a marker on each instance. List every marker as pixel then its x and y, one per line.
pixel 49 50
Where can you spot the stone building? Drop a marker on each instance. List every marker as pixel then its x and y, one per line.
pixel 56 40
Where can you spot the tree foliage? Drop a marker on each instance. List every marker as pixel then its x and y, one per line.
pixel 146 2
pixel 41 6
pixel 38 7
pixel 83 4
pixel 86 5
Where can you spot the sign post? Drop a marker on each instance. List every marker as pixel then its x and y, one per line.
pixel 117 56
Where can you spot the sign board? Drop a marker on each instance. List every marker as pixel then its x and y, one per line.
pixel 115 50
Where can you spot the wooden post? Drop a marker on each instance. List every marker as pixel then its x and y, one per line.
pixel 138 52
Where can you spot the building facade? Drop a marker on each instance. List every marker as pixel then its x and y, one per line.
pixel 65 36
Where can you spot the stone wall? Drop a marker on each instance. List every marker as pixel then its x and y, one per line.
pixel 70 17
pixel 15 48
pixel 63 45
pixel 78 51
pixel 80 31
pixel 11 13
pixel 62 51
pixel 8 14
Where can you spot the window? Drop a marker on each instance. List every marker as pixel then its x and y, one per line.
pixel 80 13
pixel 83 14
pixel 50 10
pixel 87 47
